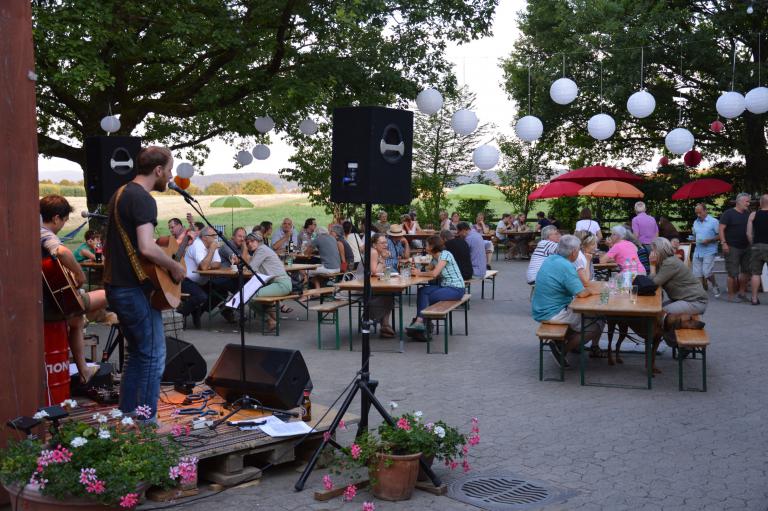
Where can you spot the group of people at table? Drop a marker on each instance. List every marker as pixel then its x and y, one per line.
pixel 561 266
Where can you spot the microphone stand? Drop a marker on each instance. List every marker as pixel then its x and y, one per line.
pixel 245 401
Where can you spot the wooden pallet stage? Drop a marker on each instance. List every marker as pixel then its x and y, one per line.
pixel 227 455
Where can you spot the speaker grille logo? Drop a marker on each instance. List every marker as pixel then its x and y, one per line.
pixel 392 145
pixel 121 161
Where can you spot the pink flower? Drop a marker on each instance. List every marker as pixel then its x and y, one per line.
pixel 453 464
pixel 129 500
pixel 474 440
pixel 369 506
pixel 355 450
pixel 180 430
pixel 143 412
pixel 342 425
pixel 465 466
pixel 403 424
pixel 327 436
pixel 57 456
pixel 186 469
pixel 327 483
pixel 429 426
pixel 465 449
pixel 90 481
pixel 350 492
pixel 475 427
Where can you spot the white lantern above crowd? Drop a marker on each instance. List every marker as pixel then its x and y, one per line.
pixel 730 105
pixel 679 141
pixel 529 128
pixel 261 152
pixel 429 101
pixel 464 122
pixel 244 158
pixel 264 124
pixel 601 126
pixel 563 91
pixel 485 157
pixel 641 104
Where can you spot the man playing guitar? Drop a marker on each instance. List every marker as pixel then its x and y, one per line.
pixel 54 211
pixel 130 238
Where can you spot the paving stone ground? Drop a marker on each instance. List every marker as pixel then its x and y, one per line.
pixel 618 449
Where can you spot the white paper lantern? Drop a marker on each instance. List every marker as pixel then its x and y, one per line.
pixel 563 91
pixel 185 170
pixel 730 105
pixel 261 152
pixel 464 121
pixel 264 124
pixel 679 141
pixel 308 126
pixel 756 100
pixel 601 126
pixel 110 124
pixel 485 157
pixel 529 128
pixel 641 104
pixel 244 158
pixel 429 101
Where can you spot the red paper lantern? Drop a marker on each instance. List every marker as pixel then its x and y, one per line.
pixel 181 182
pixel 692 158
pixel 663 161
pixel 716 126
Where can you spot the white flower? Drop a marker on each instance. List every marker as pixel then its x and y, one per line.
pixel 71 403
pixel 115 413
pixel 100 418
pixel 392 405
pixel 78 441
pixel 127 421
pixel 42 414
pixel 104 434
pixel 440 431
pixel 418 414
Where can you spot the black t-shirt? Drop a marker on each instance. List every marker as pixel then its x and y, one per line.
pixel 543 222
pixel 136 207
pixel 735 228
pixel 460 251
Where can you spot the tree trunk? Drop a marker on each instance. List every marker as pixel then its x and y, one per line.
pixel 755 154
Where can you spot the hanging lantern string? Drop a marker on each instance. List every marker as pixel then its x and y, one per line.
pixel 733 70
pixel 682 84
pixel 641 68
pixel 529 89
pixel 563 65
pixel 759 58
pixel 601 86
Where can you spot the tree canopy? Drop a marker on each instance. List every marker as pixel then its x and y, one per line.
pixel 578 38
pixel 182 72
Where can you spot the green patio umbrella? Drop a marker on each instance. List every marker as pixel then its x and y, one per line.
pixel 232 202
pixel 475 191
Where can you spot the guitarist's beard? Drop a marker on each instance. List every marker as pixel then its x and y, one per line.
pixel 160 185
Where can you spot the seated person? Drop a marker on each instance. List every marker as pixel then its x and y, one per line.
pixel 550 236
pixel 553 221
pixel 265 261
pixel 87 251
pixel 541 221
pixel 398 246
pixel 286 236
pixel 306 235
pixel 451 286
pixel 622 251
pixel 355 241
pixel 476 248
pixel 177 230
pixel 445 222
pixel 225 253
pixel 266 231
pixel 583 263
pixel 586 223
pixel 679 252
pixel 202 254
pixel 502 228
pixel 330 252
pixel 521 242
pixel 482 228
pixel 54 211
pixel 643 254
pixel 411 226
pixel 381 305
pixel 454 221
pixel 460 250
pixel 347 256
pixel 557 283
pixel 382 225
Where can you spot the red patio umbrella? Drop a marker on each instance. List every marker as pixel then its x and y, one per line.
pixel 589 175
pixel 702 188
pixel 556 189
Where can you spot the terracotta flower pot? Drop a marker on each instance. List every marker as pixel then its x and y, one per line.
pixel 30 499
pixel 394 476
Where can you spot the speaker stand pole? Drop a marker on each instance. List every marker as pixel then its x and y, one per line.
pixel 363 382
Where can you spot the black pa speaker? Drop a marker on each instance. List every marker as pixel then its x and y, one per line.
pixel 372 153
pixel 276 377
pixel 183 363
pixel 110 163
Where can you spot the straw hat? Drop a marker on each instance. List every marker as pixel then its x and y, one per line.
pixel 395 230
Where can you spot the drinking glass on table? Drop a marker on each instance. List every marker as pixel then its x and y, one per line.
pixel 233 262
pixel 633 294
pixel 605 293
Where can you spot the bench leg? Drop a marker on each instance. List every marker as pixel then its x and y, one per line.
pixel 493 288
pixel 561 353
pixel 350 326
pixel 445 333
pixel 277 319
pixel 704 370
pixel 541 359
pixel 336 322
pixel 319 330
pixel 482 289
pixel 466 318
pixel 680 356
pixel 450 323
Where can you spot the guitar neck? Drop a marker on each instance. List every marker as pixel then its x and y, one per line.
pixel 182 248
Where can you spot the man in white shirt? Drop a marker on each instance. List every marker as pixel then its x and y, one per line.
pixel 202 254
pixel 550 237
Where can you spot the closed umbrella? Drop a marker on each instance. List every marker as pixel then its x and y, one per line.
pixel 232 202
pixel 702 188
pixel 611 188
pixel 588 175
pixel 556 189
pixel 475 191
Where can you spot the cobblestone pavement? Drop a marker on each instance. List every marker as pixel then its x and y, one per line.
pixel 618 449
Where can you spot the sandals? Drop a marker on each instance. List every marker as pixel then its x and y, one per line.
pixel 386 332
pixel 285 309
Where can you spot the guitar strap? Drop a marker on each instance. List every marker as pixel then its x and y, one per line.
pixel 133 257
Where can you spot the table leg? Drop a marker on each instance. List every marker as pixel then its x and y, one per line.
pixel 400 307
pixel 582 360
pixel 649 347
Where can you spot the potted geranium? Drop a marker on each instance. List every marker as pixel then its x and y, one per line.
pixel 106 465
pixel 391 454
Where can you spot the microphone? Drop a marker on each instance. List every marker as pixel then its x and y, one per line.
pixel 173 186
pixel 88 214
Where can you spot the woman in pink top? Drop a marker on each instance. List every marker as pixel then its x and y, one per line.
pixel 622 251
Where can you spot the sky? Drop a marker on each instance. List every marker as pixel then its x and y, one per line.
pixel 476 65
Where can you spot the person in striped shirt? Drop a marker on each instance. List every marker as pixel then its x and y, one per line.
pixel 550 236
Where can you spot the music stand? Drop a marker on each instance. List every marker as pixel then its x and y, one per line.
pixel 363 382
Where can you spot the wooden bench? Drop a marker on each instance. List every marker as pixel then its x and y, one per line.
pixel 489 275
pixel 325 309
pixel 271 301
pixel 690 341
pixel 552 334
pixel 308 294
pixel 443 311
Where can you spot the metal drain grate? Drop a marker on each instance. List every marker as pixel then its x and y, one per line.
pixel 504 492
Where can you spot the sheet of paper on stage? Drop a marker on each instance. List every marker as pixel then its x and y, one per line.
pixel 277 428
pixel 249 289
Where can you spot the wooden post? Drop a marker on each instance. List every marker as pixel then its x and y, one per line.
pixel 21 328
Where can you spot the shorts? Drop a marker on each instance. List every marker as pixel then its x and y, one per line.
pixel 703 265
pixel 737 261
pixel 758 257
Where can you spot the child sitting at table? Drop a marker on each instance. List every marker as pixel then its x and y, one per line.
pixel 87 250
pixel 679 252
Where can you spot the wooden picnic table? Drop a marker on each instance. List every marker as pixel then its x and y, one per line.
pixel 91 267
pixel 395 285
pixel 618 306
pixel 232 271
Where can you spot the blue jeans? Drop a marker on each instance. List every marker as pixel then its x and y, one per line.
pixel 428 295
pixel 142 327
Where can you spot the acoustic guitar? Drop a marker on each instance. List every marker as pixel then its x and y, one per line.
pixel 167 293
pixel 61 287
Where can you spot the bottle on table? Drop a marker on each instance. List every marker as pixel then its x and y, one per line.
pixel 387 273
pixel 98 252
pixel 306 404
